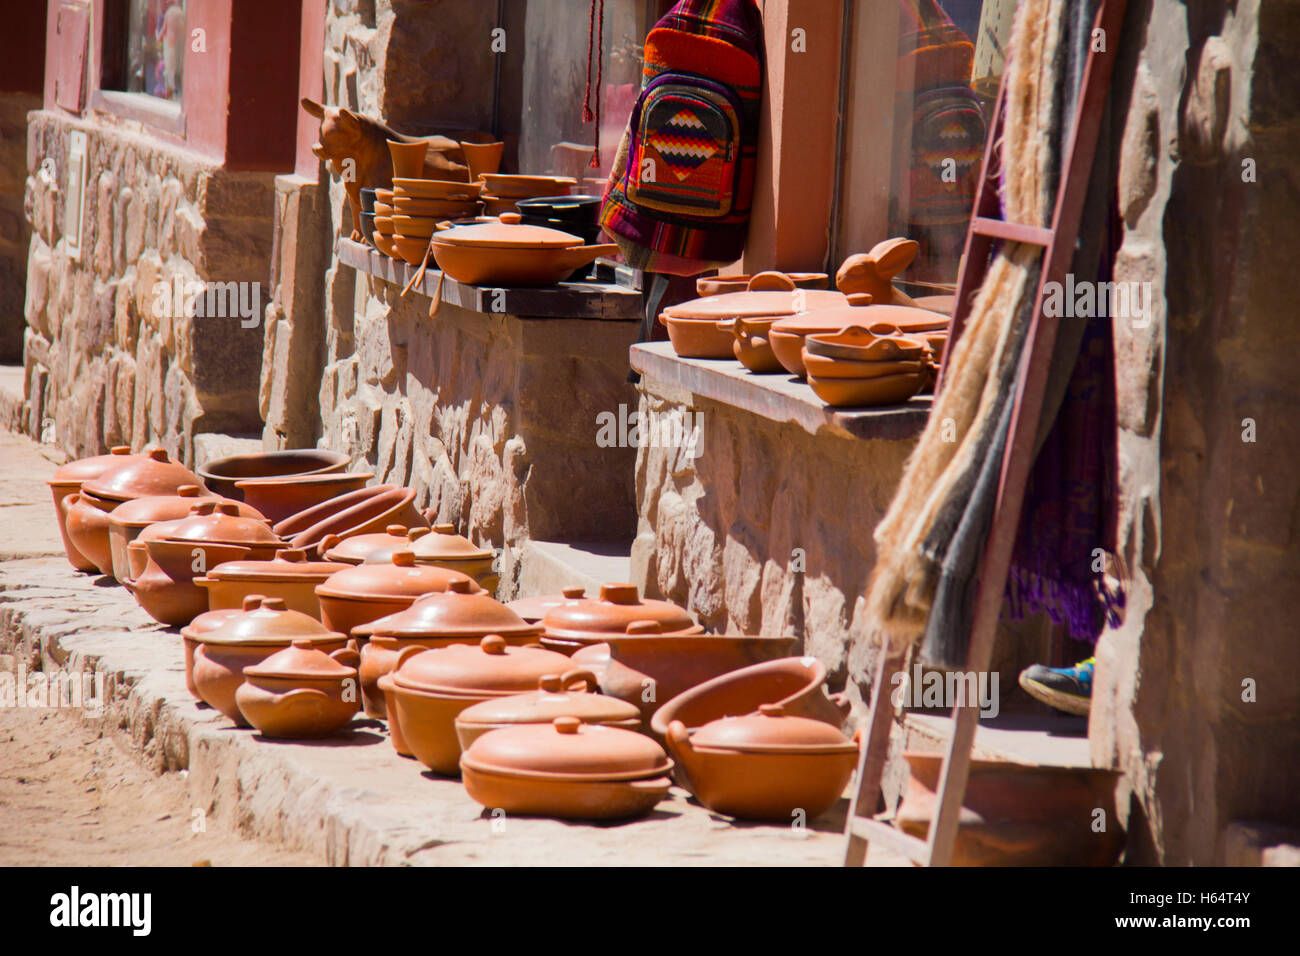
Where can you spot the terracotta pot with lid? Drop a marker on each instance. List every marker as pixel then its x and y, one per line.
pixel 375 547
pixel 767 765
pixel 567 769
pixel 300 692
pixel 444 548
pixel 67 481
pixel 511 254
pixel 129 519
pixel 533 609
pixel 221 653
pixel 135 476
pixel 290 574
pixel 363 593
pixel 210 621
pixel 428 689
pixel 717 285
pixel 458 615
pixel 283 497
pixel 552 699
pixel 617 606
pixel 693 325
pixel 183 549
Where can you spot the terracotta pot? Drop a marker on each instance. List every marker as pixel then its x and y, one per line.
pixel 290 575
pixel 300 692
pixel 514 186
pixel 390 716
pixel 281 498
pixel 457 615
pixel 482 158
pixel 86 523
pixel 405 188
pixel 410 249
pixel 210 621
pixel 418 227
pixel 429 689
pixel 765 766
pixel 129 519
pixel 221 475
pixel 718 285
pixel 377 547
pixel 183 549
pixel 408 158
pixel 1019 814
pixel 384 243
pixel 867 392
pixel 67 481
pixel 437 209
pixel 651 669
pixel 552 699
pixel 567 769
pixel 749 344
pixel 511 254
pixel 798 684
pixel 818 366
pixel 618 606
pixel 358 512
pixel 249 637
pixel 383 209
pixel 358 595
pixel 698 338
pixel 442 547
pixel 533 609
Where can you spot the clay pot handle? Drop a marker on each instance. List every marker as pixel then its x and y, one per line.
pixel 327 542
pixel 511 218
pixel 406 653
pixel 580 674
pixel 884 328
pixel 120 450
pixel 771 281
pixel 347 656
pixel 678 740
pixel 572 593
pixel 619 593
pixel 859 299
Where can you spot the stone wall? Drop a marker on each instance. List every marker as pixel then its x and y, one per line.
pixel 14 230
pixel 107 361
pixel 1196 698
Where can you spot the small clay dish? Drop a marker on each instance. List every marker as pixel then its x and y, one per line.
pixel 383 209
pixel 819 366
pixel 867 392
pixel 411 249
pixel 513 186
pixel 415 227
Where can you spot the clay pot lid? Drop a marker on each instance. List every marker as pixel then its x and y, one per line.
pixel 219 522
pixel 288 564
pixel 552 700
pixel 270 622
pixel 507 233
pixel 881 342
pixel 402 577
pixel 905 318
pixel 442 543
pixel 617 607
pixel 86 469
pixel 301 659
pixel 769 294
pixel 568 749
pixel 211 620
pixel 139 475
pixel 771 730
pixel 488 668
pixel 533 609
pixel 359 547
pixel 458 611
pixel 142 512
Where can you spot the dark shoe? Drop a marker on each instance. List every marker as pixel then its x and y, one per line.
pixel 1065 688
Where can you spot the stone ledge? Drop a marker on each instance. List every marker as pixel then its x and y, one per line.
pixel 780 398
pixel 564 300
pixel 351 800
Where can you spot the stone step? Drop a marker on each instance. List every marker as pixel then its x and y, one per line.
pixel 12 416
pixel 1057 740
pixel 547 566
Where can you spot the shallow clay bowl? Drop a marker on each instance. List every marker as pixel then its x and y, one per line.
pixel 867 392
pixel 439 209
pixel 383 209
pixel 383 195
pixel 281 498
pixel 821 367
pixel 411 249
pixel 512 186
pixel 879 343
pixel 434 189
pixel 698 338
pixel 415 227
pixel 383 225
pixel 385 244
pixel 506 266
pixel 221 476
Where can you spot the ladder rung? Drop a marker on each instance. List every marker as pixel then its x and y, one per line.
pixel 890 837
pixel 1013 231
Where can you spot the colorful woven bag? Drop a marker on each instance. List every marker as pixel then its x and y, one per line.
pixel 679 193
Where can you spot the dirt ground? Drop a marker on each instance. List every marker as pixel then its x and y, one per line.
pixel 69 797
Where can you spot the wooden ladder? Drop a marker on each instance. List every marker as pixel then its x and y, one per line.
pixel 1058 243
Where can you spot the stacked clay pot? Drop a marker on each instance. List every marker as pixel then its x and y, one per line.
pixel 460 614
pixel 858 367
pixel 180 551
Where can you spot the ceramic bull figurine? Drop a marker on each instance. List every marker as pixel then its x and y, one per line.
pixel 356 149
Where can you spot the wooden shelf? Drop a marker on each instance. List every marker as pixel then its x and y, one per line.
pixel 781 398
pixel 564 300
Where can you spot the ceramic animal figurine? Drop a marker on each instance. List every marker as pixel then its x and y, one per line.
pixel 873 272
pixel 347 136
